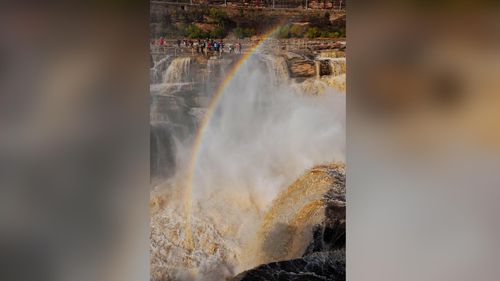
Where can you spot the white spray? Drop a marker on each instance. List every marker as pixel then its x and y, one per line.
pixel 260 138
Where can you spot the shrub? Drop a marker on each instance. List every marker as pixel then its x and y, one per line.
pixel 249 32
pixel 194 32
pixel 297 30
pixel 329 34
pixel 244 32
pixel 312 32
pixel 284 32
pixel 342 32
pixel 239 33
pixel 218 32
pixel 218 16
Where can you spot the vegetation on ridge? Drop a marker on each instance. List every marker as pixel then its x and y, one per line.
pixel 204 22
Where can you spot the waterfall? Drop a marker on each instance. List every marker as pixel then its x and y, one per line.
pixel 216 70
pixel 157 72
pixel 178 71
pixel 211 70
pixel 168 76
pixel 262 134
pixel 277 68
pixel 337 66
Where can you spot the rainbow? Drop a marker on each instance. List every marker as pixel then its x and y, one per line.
pixel 206 121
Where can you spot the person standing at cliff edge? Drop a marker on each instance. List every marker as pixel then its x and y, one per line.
pixel 238 48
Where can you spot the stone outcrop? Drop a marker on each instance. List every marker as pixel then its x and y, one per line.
pixel 332 53
pixel 301 68
pixel 319 266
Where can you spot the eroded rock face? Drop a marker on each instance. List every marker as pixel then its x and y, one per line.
pixel 301 68
pixel 324 258
pixel 319 266
pixel 330 234
pixel 332 54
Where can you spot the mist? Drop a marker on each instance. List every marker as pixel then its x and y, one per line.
pixel 261 136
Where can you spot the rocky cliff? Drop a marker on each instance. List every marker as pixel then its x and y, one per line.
pixel 172 21
pixel 319 266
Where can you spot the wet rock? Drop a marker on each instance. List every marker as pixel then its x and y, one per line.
pixel 331 54
pixel 317 266
pixel 330 234
pixel 324 68
pixel 301 68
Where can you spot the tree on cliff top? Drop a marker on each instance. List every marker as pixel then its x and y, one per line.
pixel 219 17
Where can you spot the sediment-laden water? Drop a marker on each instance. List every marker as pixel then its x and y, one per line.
pixel 218 170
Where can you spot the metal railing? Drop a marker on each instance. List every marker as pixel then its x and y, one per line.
pixel 299 44
pixel 338 5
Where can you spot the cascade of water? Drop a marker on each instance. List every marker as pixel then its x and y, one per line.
pixel 216 70
pixel 277 68
pixel 337 66
pixel 157 72
pixel 260 137
pixel 178 71
pixel 211 64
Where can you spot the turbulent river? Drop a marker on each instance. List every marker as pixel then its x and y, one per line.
pixel 220 158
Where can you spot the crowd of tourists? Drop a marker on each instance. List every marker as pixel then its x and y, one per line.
pixel 201 46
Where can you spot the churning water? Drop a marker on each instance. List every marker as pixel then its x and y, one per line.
pixel 262 135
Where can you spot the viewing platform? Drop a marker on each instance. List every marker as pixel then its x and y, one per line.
pixel 277 45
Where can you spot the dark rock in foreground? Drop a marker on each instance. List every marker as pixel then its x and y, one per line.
pixel 316 266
